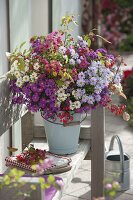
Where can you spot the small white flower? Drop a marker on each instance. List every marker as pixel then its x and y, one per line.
pixel 78 61
pixel 17 74
pixel 8 55
pixel 62 50
pixel 62 97
pixel 80 38
pixel 75 56
pixel 26 78
pixel 61 91
pixel 65 57
pixel 19 82
pixel 33 76
pixel 72 51
pixel 72 62
pixel 72 105
pixel 36 66
pixel 74 93
pixel 77 104
pixel 27 61
pixel 84 44
pixel 26 68
pixel 15 65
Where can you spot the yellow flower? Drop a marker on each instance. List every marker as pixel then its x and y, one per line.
pixel 54 73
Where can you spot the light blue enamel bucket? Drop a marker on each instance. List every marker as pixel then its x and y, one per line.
pixel 63 139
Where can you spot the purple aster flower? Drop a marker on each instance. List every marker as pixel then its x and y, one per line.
pixel 80 82
pixel 78 61
pixel 34 87
pixel 93 81
pixel 33 107
pixel 52 97
pixel 101 50
pixel 84 98
pixel 41 83
pixel 92 54
pixel 97 89
pixel 35 97
pixel 81 75
pixel 42 103
pixel 97 97
pixel 110 56
pixel 91 99
pixel 48 92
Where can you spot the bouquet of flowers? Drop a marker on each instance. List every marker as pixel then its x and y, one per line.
pixel 59 75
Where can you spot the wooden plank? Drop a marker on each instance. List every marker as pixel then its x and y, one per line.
pixel 9 113
pixel 97 147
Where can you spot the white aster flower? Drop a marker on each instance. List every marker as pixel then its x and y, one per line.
pixel 80 38
pixel 61 91
pixel 77 104
pixel 62 97
pixel 74 93
pixel 62 50
pixel 65 57
pixel 26 78
pixel 19 82
pixel 72 51
pixel 72 62
pixel 33 76
pixel 15 65
pixel 17 74
pixel 8 55
pixel 72 106
pixel 36 66
pixel 78 61
pixel 75 56
pixel 26 68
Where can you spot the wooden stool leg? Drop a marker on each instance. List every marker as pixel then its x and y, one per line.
pixel 97 145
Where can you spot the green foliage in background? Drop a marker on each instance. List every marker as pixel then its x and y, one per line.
pixel 127 44
pixel 124 3
pixel 128 91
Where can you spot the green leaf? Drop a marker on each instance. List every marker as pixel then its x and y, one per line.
pixel 59 82
pixel 66 59
pixel 51 179
pixel 89 42
pixel 21 45
pixel 112 193
pixel 99 54
pixel 21 65
pixel 86 37
pixel 33 187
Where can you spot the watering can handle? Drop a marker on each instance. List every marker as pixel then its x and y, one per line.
pixel 120 149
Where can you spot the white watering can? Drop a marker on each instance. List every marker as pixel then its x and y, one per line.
pixel 117 164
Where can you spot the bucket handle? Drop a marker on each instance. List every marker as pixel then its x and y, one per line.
pixel 121 152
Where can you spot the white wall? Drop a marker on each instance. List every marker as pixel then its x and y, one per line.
pixel 28 18
pixel 4 139
pixel 67 7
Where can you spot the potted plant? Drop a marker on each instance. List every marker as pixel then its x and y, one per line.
pixel 63 77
